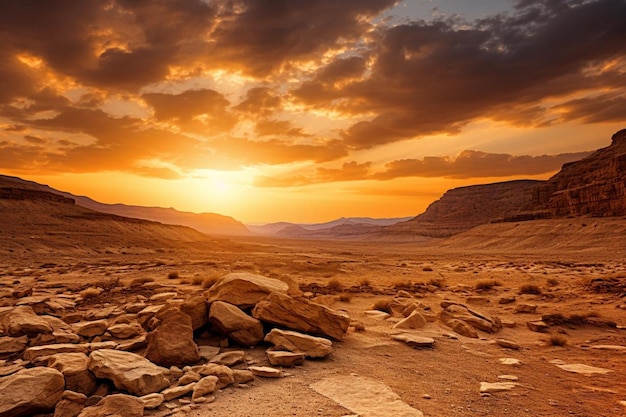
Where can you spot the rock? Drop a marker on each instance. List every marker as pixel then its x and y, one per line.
pixel 537 326
pixel 61 331
pixel 30 391
pixel 75 370
pixel 206 385
pixel 35 352
pixel 414 341
pixel 266 371
pixel 462 328
pixel 171 343
pixel 115 405
pixel 208 352
pixel 311 346
pixel 178 391
pixel 242 376
pixel 229 358
pixel 526 308
pixel 283 358
pixel 302 315
pixel 230 320
pixel 244 289
pixel 23 321
pixel 12 344
pixel 189 377
pixel 90 329
pixel 68 408
pixel 377 314
pixel 454 312
pixel 164 296
pixel 224 373
pixel 197 310
pixel 510 361
pixel 508 344
pixel 152 401
pixel 508 377
pixel 579 368
pixel 414 321
pixel 509 324
pixel 506 300
pixel 133 344
pixel 126 330
pixel 128 371
pixel 489 387
pixel 477 299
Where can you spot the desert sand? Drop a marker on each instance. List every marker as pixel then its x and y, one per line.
pixel 583 282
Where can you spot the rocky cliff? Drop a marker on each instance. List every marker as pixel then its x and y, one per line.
pixel 594 186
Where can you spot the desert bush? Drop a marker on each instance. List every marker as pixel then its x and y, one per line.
pixel 334 285
pixel 197 280
pixel 552 282
pixel 90 292
pixel 140 281
pixel 530 289
pixel 383 305
pixel 208 282
pixel 172 275
pixel 344 298
pixel 487 284
pixel 557 340
pixel 427 269
pixel 365 282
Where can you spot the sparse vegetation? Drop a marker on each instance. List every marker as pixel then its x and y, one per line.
pixel 365 282
pixel 557 340
pixel 173 275
pixel 209 282
pixel 383 305
pixel 487 284
pixel 530 289
pixel 344 298
pixel 335 285
pixel 552 282
pixel 197 281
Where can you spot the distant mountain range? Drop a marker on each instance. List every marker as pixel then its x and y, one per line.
pixel 288 229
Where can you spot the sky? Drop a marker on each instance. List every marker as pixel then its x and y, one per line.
pixel 304 110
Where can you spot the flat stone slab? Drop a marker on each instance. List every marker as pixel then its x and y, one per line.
pixel 510 361
pixel 365 397
pixel 414 341
pixel 489 387
pixel 579 368
pixel 616 348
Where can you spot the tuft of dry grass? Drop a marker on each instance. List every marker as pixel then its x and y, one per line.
pixel 173 275
pixel 365 282
pixel 557 340
pixel 383 305
pixel 487 284
pixel 344 298
pixel 530 289
pixel 334 285
pixel 552 282
pixel 209 282
pixel 197 280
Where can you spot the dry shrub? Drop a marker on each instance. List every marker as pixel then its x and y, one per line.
pixel 383 305
pixel 487 284
pixel 334 285
pixel 209 282
pixel 140 281
pixel 173 275
pixel 530 289
pixel 344 298
pixel 552 282
pixel 365 282
pixel 90 292
pixel 557 340
pixel 197 281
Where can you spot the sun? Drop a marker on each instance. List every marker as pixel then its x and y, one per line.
pixel 221 187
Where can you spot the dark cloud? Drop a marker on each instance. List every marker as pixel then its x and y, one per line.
pixel 37 140
pixel 260 101
pixel 609 108
pixel 472 164
pixel 278 128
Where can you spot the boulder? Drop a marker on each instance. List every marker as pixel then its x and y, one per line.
pixel 151 401
pixel 128 371
pixel 284 358
pixel 206 385
pixel 178 391
pixel 197 310
pixel 537 326
pixel 90 329
pixel 526 308
pixel 61 331
pixel 12 344
pixel 35 352
pixel 230 320
pixel 266 371
pixel 22 321
pixel 414 341
pixel 311 346
pixel 75 370
pixel 116 405
pixel 244 289
pixel 68 408
pixel 229 358
pixel 415 320
pixel 302 315
pixel 125 330
pixel 30 391
pixel 171 343
pixel 223 373
pixel 453 313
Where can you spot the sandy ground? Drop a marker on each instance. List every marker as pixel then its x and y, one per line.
pixel 442 381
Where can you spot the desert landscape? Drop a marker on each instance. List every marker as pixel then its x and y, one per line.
pixel 354 208
pixel 523 314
